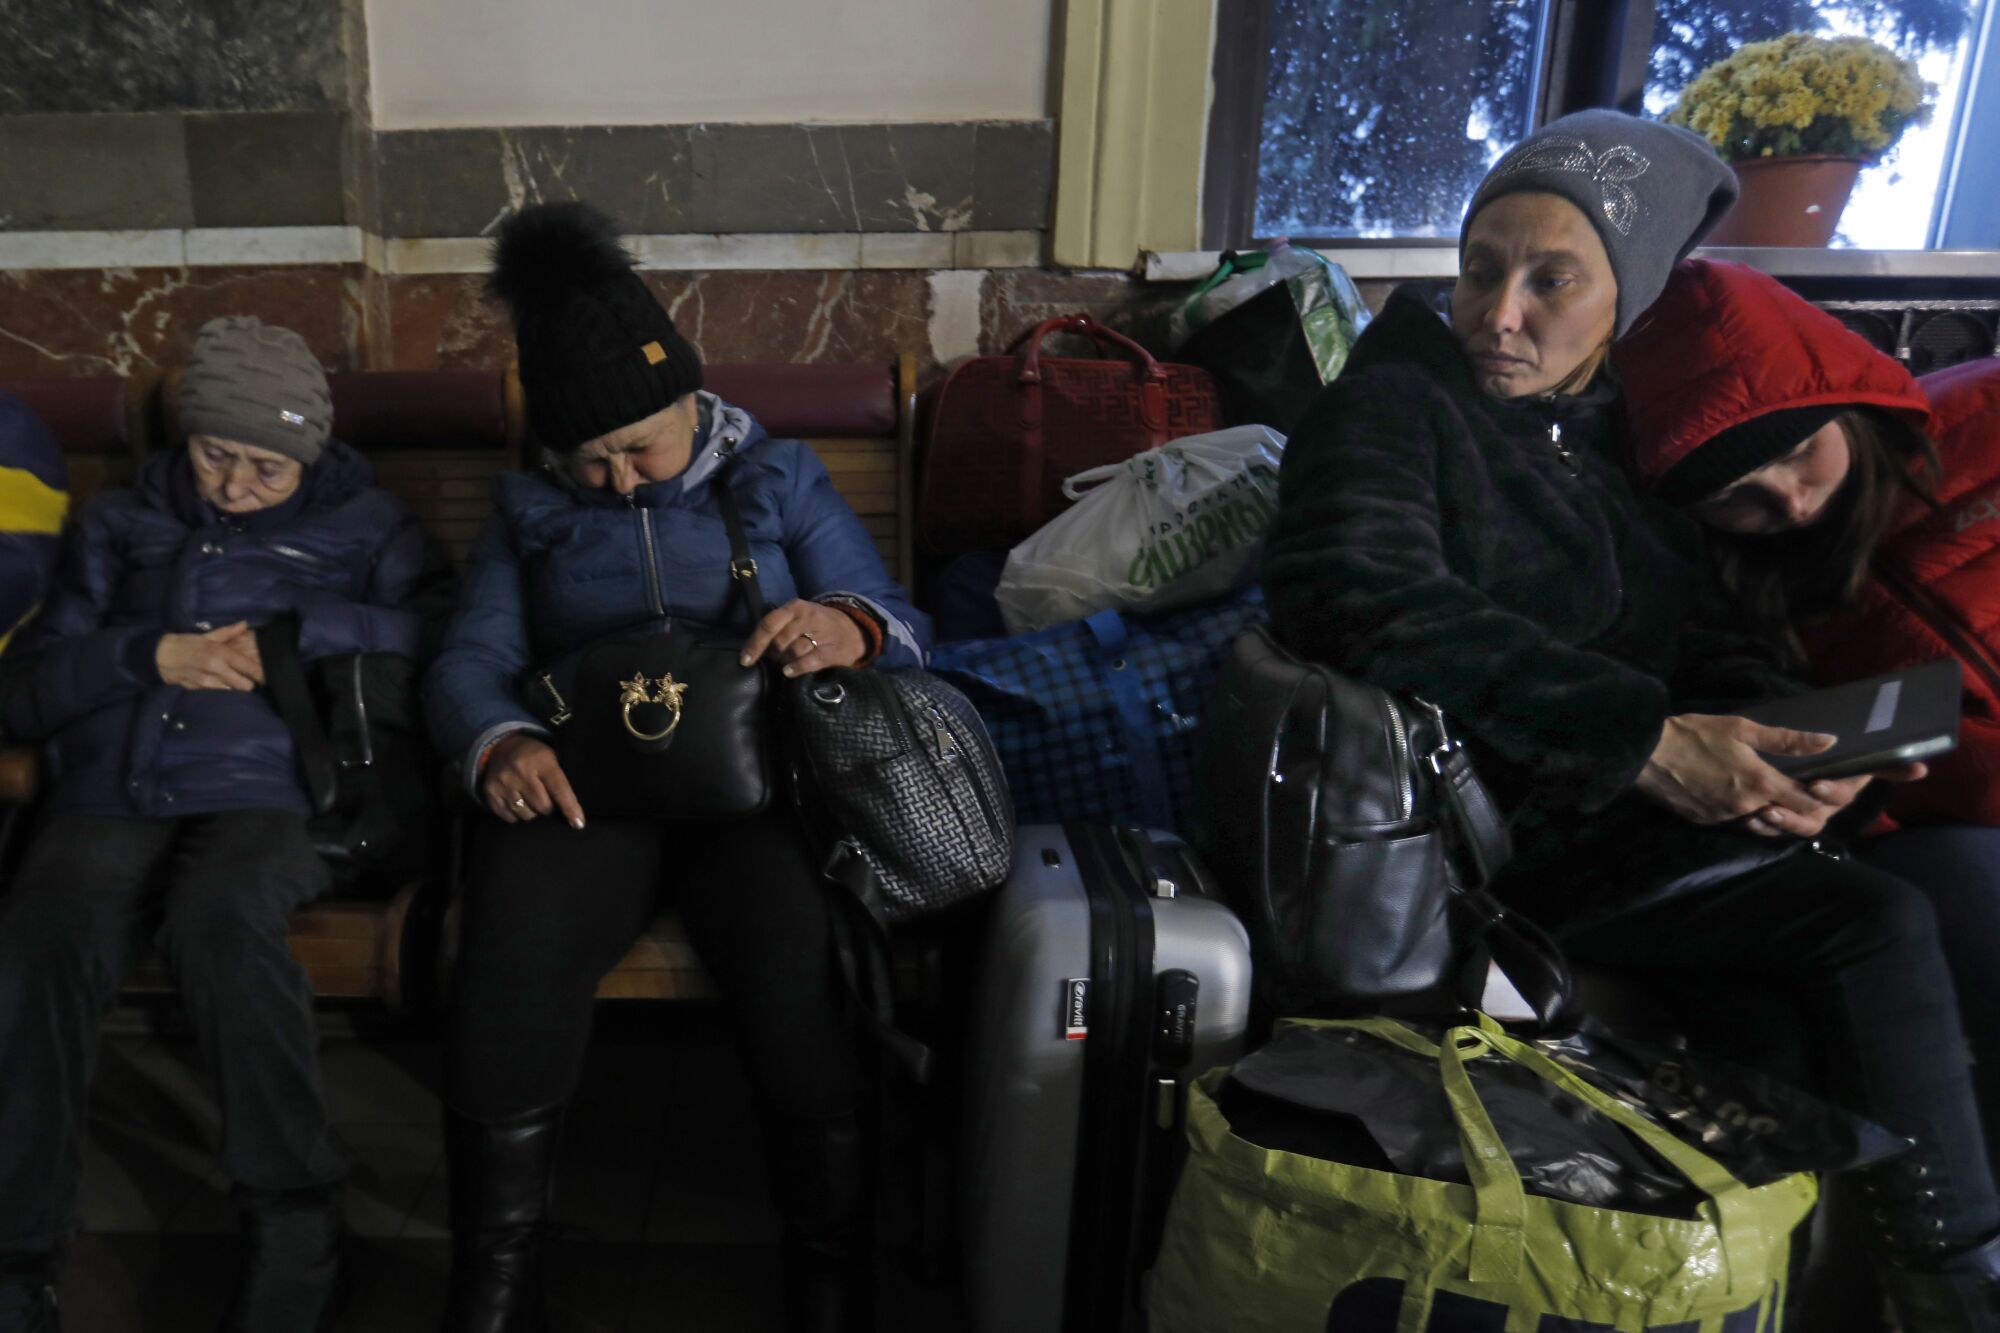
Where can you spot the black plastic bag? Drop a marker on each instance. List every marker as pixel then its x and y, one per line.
pixel 1346 1097
pixel 1759 1127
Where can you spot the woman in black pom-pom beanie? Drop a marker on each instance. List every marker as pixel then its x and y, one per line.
pixel 620 534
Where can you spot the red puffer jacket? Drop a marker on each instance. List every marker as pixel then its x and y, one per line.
pixel 1940 596
pixel 1725 343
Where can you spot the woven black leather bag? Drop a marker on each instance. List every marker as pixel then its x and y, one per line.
pixel 897 771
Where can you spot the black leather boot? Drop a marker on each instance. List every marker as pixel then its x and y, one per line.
pixel 1959 1293
pixel 28 1294
pixel 819 1174
pixel 291 1278
pixel 502 1174
pixel 1936 1283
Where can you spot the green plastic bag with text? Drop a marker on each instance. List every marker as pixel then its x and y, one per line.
pixel 1262 1241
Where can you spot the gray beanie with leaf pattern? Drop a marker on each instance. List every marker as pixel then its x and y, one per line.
pixel 1652 191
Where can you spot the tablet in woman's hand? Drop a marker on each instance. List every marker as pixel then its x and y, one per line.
pixel 1881 722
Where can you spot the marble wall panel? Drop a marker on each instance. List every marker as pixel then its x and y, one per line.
pixel 447 323
pixel 116 172
pixel 1013 176
pixel 829 316
pixel 159 55
pixel 1018 299
pixel 724 178
pixel 444 322
pixel 94 172
pixel 463 182
pixel 126 321
pixel 105 321
pixel 266 168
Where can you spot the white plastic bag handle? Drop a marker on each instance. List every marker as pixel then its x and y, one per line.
pixel 1075 486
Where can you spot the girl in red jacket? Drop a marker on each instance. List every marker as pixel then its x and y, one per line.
pixel 1859 543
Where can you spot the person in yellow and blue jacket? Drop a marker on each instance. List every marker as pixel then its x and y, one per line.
pixel 33 503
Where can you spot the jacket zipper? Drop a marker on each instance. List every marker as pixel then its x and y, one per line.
pixel 652 557
pixel 1563 451
pixel 1968 645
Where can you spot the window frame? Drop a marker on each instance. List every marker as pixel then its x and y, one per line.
pixel 1591 53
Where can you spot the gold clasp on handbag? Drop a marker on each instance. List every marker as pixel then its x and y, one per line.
pixel 636 691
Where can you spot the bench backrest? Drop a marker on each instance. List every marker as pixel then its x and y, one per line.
pixel 438 438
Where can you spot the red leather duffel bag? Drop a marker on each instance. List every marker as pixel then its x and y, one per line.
pixel 1006 430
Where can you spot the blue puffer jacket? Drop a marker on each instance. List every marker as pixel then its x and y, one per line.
pixel 559 567
pixel 341 554
pixel 32 506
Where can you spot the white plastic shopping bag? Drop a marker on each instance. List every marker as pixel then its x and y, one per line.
pixel 1174 525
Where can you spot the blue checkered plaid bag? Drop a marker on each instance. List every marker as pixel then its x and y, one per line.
pixel 1096 719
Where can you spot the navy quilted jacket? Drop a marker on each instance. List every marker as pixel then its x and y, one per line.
pixel 341 554
pixel 560 567
pixel 32 505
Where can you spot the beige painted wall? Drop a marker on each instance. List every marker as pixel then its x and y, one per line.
pixel 440 63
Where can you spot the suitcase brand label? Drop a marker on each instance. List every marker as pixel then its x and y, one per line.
pixel 1076 1008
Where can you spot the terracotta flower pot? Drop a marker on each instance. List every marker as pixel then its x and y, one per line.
pixel 1788 200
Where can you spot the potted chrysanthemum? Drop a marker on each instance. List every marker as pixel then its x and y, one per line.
pixel 1798 117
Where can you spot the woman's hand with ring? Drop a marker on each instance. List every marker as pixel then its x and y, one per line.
pixel 523 780
pixel 807 637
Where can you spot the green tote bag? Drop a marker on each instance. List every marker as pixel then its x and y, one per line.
pixel 1263 1241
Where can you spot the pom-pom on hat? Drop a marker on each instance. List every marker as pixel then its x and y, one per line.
pixel 597 351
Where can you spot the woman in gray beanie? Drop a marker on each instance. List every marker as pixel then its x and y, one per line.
pixel 176 816
pixel 1453 523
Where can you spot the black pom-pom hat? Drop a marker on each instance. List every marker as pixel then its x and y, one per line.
pixel 597 351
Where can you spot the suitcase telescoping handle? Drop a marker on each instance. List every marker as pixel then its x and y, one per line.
pixel 1150 374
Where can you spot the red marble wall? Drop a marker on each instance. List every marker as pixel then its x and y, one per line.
pixel 126 321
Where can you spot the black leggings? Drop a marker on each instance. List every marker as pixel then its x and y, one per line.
pixel 549 910
pixel 1830 973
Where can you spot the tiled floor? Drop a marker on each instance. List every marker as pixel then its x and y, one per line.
pixel 661 1217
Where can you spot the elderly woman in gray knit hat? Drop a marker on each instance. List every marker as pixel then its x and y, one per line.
pixel 175 816
pixel 1454 523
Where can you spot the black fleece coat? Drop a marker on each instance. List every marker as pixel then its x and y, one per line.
pixel 1490 556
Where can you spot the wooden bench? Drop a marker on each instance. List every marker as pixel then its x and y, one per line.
pixel 437 440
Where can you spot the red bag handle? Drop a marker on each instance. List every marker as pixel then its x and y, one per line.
pixel 1152 377
pixel 1031 365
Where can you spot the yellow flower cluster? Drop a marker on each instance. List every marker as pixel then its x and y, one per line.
pixel 1803 94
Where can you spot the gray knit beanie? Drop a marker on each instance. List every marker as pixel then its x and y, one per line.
pixel 1651 190
pixel 256 383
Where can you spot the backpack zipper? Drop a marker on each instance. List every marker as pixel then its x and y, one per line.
pixel 952 749
pixel 1399 752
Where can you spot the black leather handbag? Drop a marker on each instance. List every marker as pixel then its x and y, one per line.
pixel 668 725
pixel 363 758
pixel 1355 841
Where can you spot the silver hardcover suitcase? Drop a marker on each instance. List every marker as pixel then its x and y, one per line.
pixel 1111 976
